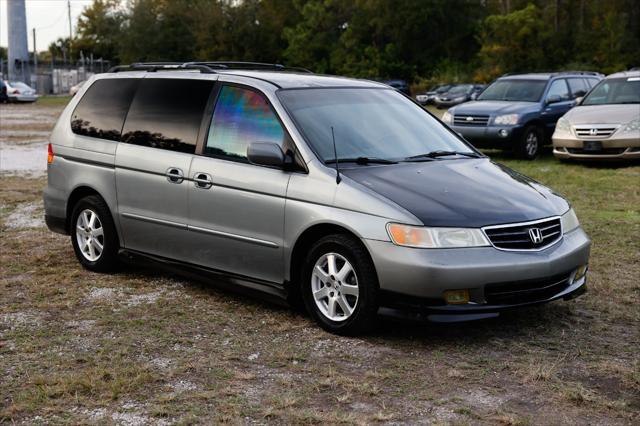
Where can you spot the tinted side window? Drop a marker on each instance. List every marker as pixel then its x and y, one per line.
pixel 592 81
pixel 578 87
pixel 167 113
pixel 559 87
pixel 101 111
pixel 241 117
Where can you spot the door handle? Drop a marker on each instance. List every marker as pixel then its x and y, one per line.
pixel 174 175
pixel 202 180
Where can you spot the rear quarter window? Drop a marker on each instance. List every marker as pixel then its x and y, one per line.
pixel 167 113
pixel 101 111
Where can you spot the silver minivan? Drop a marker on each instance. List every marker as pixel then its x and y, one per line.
pixel 342 194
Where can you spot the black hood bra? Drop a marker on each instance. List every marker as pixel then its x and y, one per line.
pixel 461 192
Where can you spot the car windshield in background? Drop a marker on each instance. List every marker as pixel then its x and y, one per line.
pixel 368 123
pixel 615 91
pixel 18 85
pixel 514 90
pixel 461 89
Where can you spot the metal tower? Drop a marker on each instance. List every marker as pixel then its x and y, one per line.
pixel 18 65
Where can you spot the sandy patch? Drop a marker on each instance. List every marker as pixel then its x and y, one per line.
pixel 24 160
pixel 14 320
pixel 26 215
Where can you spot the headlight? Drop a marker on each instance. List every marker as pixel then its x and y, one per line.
pixel 507 119
pixel 632 126
pixel 446 117
pixel 569 221
pixel 563 125
pixel 422 237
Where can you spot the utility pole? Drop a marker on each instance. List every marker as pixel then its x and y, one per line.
pixel 35 60
pixel 70 29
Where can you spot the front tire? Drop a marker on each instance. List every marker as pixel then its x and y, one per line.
pixel 340 286
pixel 530 143
pixel 93 235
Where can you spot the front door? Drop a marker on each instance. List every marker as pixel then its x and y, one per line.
pixel 237 208
pixel 553 111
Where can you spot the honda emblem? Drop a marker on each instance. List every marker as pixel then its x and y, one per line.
pixel 469 118
pixel 593 132
pixel 535 235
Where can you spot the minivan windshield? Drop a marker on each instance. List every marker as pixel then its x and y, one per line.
pixel 615 91
pixel 371 123
pixel 514 90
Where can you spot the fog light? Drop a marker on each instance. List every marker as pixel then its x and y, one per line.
pixel 503 133
pixel 580 272
pixel 456 297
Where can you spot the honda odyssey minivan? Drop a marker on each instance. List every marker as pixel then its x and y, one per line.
pixel 341 193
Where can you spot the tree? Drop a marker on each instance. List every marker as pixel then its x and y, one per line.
pixel 99 28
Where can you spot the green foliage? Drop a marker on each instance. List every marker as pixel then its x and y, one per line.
pixel 421 41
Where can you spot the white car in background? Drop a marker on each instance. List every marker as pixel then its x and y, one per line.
pixel 18 91
pixel 76 88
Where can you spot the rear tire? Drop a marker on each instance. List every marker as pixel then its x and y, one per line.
pixel 339 285
pixel 93 235
pixel 530 143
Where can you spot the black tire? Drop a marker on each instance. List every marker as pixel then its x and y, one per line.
pixel 108 260
pixel 364 315
pixel 530 143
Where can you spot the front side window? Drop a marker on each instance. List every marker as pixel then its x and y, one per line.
pixel 578 87
pixel 167 113
pixel 559 88
pixel 241 117
pixel 101 111
pixel 373 123
pixel 514 90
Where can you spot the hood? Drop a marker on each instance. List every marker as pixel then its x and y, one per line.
pixel 603 114
pixel 464 193
pixel 494 107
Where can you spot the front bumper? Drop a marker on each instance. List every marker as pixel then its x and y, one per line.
pixel 612 149
pixel 491 135
pixel 23 98
pixel 417 278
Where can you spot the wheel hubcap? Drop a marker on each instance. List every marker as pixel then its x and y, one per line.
pixel 89 235
pixel 334 286
pixel 532 144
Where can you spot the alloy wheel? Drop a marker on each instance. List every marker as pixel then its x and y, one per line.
pixel 90 235
pixel 334 286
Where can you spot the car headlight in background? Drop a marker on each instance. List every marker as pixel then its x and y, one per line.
pixel 563 125
pixel 423 237
pixel 509 119
pixel 446 117
pixel 632 126
pixel 569 221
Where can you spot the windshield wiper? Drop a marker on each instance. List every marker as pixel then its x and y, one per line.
pixel 361 160
pixel 436 154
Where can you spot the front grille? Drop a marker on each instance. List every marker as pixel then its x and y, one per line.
pixel 603 151
pixel 470 120
pixel 594 132
pixel 525 236
pixel 515 292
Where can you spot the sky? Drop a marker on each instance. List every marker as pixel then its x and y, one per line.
pixel 48 17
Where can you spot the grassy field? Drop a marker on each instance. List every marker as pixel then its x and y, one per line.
pixel 140 347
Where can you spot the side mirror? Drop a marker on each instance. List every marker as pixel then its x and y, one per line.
pixel 579 100
pixel 265 154
pixel 553 99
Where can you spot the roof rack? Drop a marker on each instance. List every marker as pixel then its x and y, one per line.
pixel 208 67
pixel 163 66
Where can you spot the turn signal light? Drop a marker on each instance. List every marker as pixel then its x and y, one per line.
pixel 49 154
pixel 580 272
pixel 456 297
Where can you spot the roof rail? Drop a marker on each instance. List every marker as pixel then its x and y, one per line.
pixel 577 72
pixel 241 65
pixel 208 67
pixel 164 66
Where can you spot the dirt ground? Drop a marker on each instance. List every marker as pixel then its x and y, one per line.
pixel 141 347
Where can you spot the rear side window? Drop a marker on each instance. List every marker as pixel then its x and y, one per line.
pixel 167 113
pixel 578 87
pixel 101 111
pixel 592 81
pixel 241 117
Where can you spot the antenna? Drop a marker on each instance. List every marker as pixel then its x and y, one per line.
pixel 335 154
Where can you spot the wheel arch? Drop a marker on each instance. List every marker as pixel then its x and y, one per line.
pixel 76 195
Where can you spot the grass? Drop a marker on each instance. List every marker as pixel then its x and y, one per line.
pixel 145 347
pixel 53 100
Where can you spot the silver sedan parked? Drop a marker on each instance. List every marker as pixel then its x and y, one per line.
pixel 18 91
